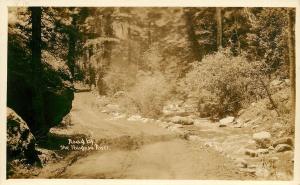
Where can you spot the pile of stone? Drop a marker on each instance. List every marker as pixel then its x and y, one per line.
pixel 265 144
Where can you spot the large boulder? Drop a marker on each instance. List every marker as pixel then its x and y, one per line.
pixel 57 90
pixel 225 121
pixel 57 104
pixel 262 139
pixel 282 148
pixel 20 141
pixel 284 140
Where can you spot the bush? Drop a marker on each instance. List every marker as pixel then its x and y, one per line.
pixel 222 83
pixel 118 78
pixel 148 95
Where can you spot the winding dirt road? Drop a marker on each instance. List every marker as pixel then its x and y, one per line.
pixel 140 150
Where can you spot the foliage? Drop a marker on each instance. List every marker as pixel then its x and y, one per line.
pixel 267 38
pixel 131 49
pixel 224 81
pixel 117 79
pixel 148 95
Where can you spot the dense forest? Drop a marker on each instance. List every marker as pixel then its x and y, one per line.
pixel 214 61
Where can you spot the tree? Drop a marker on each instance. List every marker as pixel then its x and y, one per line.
pixel 267 39
pixel 37 99
pixel 219 27
pixel 69 22
pixel 291 47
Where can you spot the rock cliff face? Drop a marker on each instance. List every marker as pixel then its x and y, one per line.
pixel 57 89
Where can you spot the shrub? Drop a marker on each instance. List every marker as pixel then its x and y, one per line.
pixel 222 83
pixel 118 78
pixel 148 95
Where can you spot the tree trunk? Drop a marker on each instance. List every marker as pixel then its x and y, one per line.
pixel 274 106
pixel 291 47
pixel 129 43
pixel 149 34
pixel 219 27
pixel 72 34
pixel 71 53
pixel 37 99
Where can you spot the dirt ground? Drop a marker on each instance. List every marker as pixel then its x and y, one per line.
pixel 135 150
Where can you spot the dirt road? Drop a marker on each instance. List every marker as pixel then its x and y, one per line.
pixel 152 152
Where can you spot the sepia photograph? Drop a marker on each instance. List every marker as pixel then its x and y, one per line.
pixel 151 93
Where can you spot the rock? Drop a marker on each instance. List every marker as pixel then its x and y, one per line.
pixel 252 166
pixel 241 163
pixel 284 140
pixel 175 128
pixel 20 141
pixel 225 121
pixel 157 121
pixel 134 118
pixel 66 121
pixel 181 120
pixel 47 156
pixel 163 125
pixel 119 94
pixel 209 144
pixel 271 148
pixel 262 139
pixel 238 124
pixel 57 91
pixel 112 108
pixel 256 153
pixel 287 81
pixel 241 112
pixel 104 111
pixel 201 121
pixel 144 120
pixel 194 138
pixel 248 171
pixel 289 155
pixel 172 109
pixel 251 153
pixel 222 125
pixel 277 125
pixel 151 120
pixel 262 172
pixel 276 83
pixel 282 148
pixel 119 116
pixel 176 125
pixel 262 151
pixel 274 159
pixel 238 121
